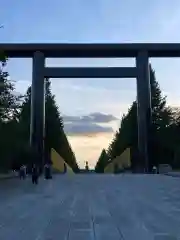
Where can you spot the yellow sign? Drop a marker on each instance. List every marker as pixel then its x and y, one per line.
pixel 122 161
pixel 58 163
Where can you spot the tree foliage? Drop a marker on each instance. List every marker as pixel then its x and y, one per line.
pixel 8 113
pixel 102 161
pixel 15 126
pixel 8 100
pixel 164 138
pixel 54 132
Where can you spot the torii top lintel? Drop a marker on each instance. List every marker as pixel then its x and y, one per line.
pixel 90 50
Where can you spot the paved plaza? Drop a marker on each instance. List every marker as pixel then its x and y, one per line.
pixel 87 207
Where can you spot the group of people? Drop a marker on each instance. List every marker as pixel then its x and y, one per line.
pixel 35 172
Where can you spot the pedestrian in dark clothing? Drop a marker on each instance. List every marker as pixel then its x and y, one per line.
pixel 22 173
pixel 34 174
pixel 47 171
pixel 65 168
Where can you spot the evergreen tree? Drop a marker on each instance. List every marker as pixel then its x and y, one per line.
pixel 112 151
pixel 170 138
pixel 102 162
pixel 24 117
pixel 8 100
pixel 54 132
pixel 127 136
pixel 159 152
pixel 8 123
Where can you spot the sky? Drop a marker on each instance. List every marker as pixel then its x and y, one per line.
pixel 102 21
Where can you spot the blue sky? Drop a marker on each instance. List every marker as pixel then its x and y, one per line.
pixel 93 21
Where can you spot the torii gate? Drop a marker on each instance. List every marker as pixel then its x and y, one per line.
pixel 141 51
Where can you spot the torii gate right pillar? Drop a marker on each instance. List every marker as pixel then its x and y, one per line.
pixel 144 111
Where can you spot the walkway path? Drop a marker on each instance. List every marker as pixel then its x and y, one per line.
pixel 87 207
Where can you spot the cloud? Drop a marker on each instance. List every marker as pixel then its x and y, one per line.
pixel 88 124
pixel 91 118
pixel 100 117
pixel 85 128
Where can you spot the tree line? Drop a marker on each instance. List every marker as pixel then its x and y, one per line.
pixel 15 125
pixel 164 140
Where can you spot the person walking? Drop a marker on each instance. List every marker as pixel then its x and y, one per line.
pixel 22 172
pixel 47 171
pixel 34 174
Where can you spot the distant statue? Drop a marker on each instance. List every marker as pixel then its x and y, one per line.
pixel 87 167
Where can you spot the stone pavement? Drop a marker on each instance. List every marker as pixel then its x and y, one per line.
pixel 88 207
pixel 173 174
pixel 8 175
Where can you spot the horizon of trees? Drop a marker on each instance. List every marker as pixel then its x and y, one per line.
pixel 15 121
pixel 164 141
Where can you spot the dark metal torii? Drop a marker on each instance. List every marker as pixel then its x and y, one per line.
pixel 140 51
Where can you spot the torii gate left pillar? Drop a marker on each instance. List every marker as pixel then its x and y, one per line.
pixel 37 125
